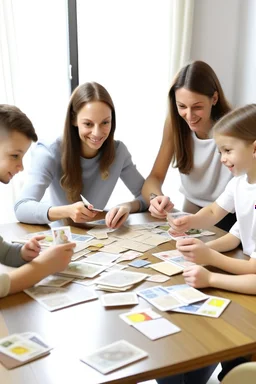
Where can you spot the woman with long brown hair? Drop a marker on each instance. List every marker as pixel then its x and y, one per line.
pixel 85 161
pixel 196 101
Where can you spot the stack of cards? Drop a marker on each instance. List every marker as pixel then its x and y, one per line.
pixel 120 280
pixel 150 323
pixel 19 349
pixel 114 356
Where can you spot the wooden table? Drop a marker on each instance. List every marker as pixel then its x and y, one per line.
pixel 81 329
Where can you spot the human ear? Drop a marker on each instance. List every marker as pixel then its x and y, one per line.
pixel 215 98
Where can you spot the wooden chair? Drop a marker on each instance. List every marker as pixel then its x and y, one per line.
pixel 242 374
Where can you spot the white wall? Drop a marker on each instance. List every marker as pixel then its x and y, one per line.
pixel 245 82
pixel 215 39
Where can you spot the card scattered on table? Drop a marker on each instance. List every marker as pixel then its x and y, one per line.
pixel 119 299
pixel 134 317
pixel 156 329
pixel 139 263
pixel 114 356
pixel 167 268
pixel 19 349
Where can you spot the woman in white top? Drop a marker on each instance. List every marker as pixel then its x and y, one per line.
pixel 196 102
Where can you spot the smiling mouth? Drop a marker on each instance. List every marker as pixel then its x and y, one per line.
pixel 194 122
pixel 95 141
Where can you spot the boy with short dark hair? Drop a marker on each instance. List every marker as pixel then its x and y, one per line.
pixel 16 135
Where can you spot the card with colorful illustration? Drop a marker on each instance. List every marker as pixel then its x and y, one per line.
pixel 61 235
pixel 114 356
pixel 212 307
pixel 22 348
pixel 134 317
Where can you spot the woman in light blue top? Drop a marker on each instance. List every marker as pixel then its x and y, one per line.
pixel 86 160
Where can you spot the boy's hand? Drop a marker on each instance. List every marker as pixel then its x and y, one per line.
pixel 56 258
pixel 159 206
pixel 195 250
pixel 181 224
pixel 117 216
pixel 197 276
pixel 32 248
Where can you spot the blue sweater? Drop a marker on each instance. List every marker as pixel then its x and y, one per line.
pixel 45 173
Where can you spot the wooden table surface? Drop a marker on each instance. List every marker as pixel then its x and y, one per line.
pixel 81 329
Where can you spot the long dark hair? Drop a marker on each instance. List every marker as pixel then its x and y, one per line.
pixel 71 180
pixel 200 78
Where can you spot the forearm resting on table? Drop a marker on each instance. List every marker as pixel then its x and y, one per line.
pixel 208 216
pixel 231 265
pixel 242 283
pixel 225 243
pixel 28 275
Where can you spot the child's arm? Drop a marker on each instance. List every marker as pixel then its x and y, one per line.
pixel 52 260
pixel 205 218
pixel 199 277
pixel 225 243
pixel 196 251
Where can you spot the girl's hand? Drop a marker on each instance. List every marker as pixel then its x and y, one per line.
pixel 55 259
pixel 32 248
pixel 80 214
pixel 159 206
pixel 117 216
pixel 195 250
pixel 197 276
pixel 181 224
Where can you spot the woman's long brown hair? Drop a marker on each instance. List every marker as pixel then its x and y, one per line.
pixel 200 78
pixel 71 180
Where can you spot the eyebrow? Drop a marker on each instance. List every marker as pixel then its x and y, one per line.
pixel 198 102
pixel 86 118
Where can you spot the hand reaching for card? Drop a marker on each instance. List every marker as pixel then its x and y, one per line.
pixel 32 248
pixel 117 216
pixel 197 276
pixel 159 206
pixel 195 250
pixel 180 225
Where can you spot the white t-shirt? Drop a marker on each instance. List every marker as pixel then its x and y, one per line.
pixel 208 177
pixel 240 197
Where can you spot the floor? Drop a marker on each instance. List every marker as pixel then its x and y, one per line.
pixel 213 378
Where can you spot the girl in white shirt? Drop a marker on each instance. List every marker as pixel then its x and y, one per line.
pixel 235 136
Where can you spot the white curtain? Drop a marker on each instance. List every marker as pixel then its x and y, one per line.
pixel 8 76
pixel 181 34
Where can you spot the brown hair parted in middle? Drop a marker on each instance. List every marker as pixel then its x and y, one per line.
pixel 200 78
pixel 239 123
pixel 71 180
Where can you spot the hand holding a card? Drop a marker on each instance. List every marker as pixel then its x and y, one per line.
pixel 195 251
pixel 32 248
pixel 80 213
pixel 117 216
pixel 197 276
pixel 159 206
pixel 181 224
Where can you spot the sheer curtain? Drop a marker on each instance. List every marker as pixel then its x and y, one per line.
pixel 34 73
pixel 133 48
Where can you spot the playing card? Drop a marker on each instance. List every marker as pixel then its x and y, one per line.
pixel 86 203
pixel 135 317
pixel 156 329
pixel 114 356
pixel 139 263
pixel 61 235
pixel 118 299
pixel 122 278
pixel 167 268
pixel 158 278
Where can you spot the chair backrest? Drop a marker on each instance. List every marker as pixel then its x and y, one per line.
pixel 242 374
